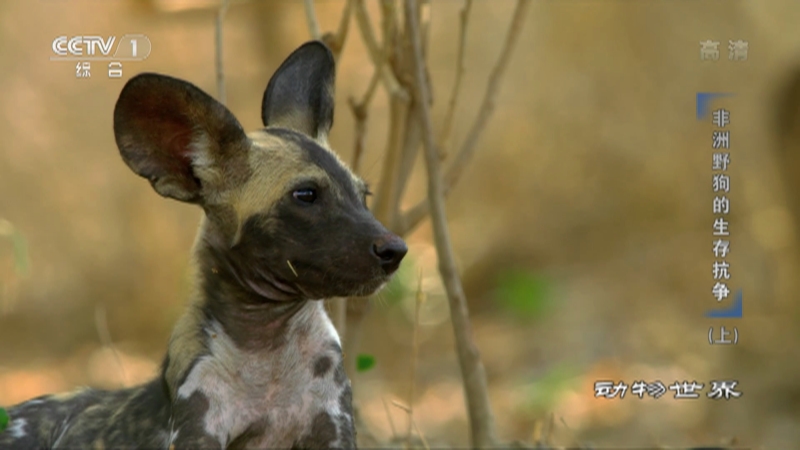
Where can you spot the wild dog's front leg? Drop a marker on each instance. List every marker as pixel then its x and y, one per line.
pixel 188 429
pixel 333 427
pixel 346 420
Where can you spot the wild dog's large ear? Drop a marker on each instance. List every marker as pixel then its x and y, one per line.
pixel 174 134
pixel 300 94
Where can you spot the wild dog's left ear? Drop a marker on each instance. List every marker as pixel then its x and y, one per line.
pixel 300 94
pixel 177 137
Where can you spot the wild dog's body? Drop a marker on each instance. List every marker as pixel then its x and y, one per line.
pixel 226 399
pixel 255 362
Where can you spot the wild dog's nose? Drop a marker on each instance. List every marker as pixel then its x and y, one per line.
pixel 390 250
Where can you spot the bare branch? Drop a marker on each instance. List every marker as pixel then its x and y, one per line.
pixel 419 433
pixel 223 8
pixel 447 128
pixel 420 298
pixel 389 26
pixel 359 110
pixel 384 209
pixel 407 221
pixel 389 80
pixel 489 99
pixel 360 114
pixel 389 417
pixel 311 18
pixel 335 40
pixel 344 25
pixel 408 156
pixel 424 10
pixel 480 414
pixel 419 211
pixel 101 325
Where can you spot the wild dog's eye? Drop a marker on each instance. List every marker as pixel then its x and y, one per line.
pixel 305 195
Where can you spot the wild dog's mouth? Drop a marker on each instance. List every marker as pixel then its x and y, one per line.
pixel 346 285
pixel 308 282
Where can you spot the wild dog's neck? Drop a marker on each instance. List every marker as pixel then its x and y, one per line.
pixel 253 320
pixel 222 303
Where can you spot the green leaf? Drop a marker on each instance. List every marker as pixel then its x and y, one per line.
pixel 365 362
pixel 523 294
pixel 3 420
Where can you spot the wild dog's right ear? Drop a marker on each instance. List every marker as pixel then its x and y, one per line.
pixel 175 135
pixel 300 94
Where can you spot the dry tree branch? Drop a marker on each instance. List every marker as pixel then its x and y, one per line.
pixel 368 35
pixel 389 417
pixel 311 18
pixel 418 300
pixel 223 8
pixel 419 211
pixel 421 436
pixel 475 388
pixel 412 425
pixel 101 325
pixel 413 135
pixel 399 106
pixel 336 41
pixel 359 110
pixel 447 128
pixel 489 100
pixel 383 208
pixel 389 26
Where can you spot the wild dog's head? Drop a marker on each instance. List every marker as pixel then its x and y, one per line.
pixel 285 219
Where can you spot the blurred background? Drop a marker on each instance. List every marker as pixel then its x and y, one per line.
pixel 583 227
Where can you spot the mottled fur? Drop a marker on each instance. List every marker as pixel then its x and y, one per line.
pixel 255 362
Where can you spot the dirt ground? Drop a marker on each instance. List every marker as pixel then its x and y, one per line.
pixel 583 227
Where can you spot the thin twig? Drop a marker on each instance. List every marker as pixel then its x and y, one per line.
pixel 389 417
pixel 475 387
pixel 344 26
pixel 447 128
pixel 375 53
pixel 311 18
pixel 388 25
pixel 360 114
pixel 220 68
pixel 387 189
pixel 419 433
pixel 489 100
pixel 551 427
pixel 420 297
pixel 419 211
pixel 359 110
pixel 101 324
pixel 412 424
pixel 408 156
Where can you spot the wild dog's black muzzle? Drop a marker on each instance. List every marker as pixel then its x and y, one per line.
pixel 390 251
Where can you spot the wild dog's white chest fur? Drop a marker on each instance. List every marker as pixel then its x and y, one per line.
pixel 276 387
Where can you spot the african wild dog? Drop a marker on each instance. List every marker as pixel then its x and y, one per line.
pixel 255 362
